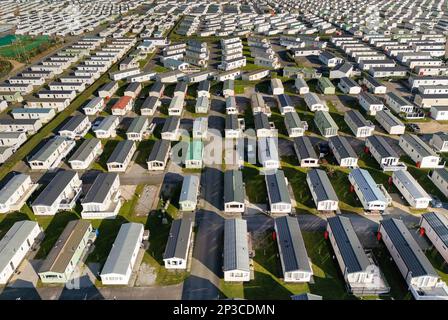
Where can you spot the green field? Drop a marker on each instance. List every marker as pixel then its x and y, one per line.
pixel 21 48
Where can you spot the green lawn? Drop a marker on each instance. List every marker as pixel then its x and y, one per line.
pixel 255 184
pixel 22 48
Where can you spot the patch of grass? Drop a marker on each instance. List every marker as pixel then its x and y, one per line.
pixel 108 148
pixel 231 290
pixel 255 184
pixel 438 262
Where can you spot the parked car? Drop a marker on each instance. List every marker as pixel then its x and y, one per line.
pixel 436 202
pixel 413 127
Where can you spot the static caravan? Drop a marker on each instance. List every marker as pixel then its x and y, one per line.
pixel 268 155
pixel 51 154
pixel 231 106
pixel 374 85
pixel 121 157
pixel 15 245
pixel 200 128
pixel 439 113
pixel 76 127
pixel 367 190
pixel 122 106
pixel 384 154
pixel 121 260
pixel 325 86
pixel 370 103
pixel 94 106
pixel 420 152
pixel 62 260
pixel 301 86
pixel 234 194
pixel 294 125
pixel 108 90
pixel 349 86
pixel 87 152
pixel 305 152
pixel 202 104
pixel 435 227
pixel 150 105
pixel 195 152
pixel 16 192
pixel 314 103
pixel 389 122
pixel 325 123
pixel 189 193
pixel 60 194
pixel 277 87
pixel 178 245
pixel 158 158
pixel 343 151
pixel 170 130
pixel 102 200
pixel 440 179
pixel 262 126
pixel 137 128
pixel 322 191
pixel 107 127
pixel 236 266
pixel 360 127
pixel 362 276
pixel 176 106
pixel 411 190
pixel 417 271
pixel 278 194
pixel 285 104
pixel 398 104
pixel 439 141
pixel 296 265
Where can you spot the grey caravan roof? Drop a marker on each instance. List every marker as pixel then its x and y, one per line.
pixel 439 223
pixel 181 86
pixel 62 253
pixel 290 240
pixel 171 124
pixel 149 103
pixel 349 82
pixel 106 123
pixel 418 145
pixel 236 252
pixel 159 150
pixel 120 255
pixel 370 98
pixel 108 86
pixel 321 185
pixel 305 148
pixel 178 239
pixel 285 100
pixel 133 87
pixel 352 252
pixel 48 148
pixel 408 249
pixel 13 239
pixel 232 121
pixel 443 173
pixel 137 125
pixel 73 123
pixel 100 188
pixel 399 100
pixel 344 67
pixel 277 188
pixel 373 81
pixel 85 149
pixel 411 185
pixel 204 85
pixel 158 87
pixel 261 121
pixel 11 187
pixel 357 118
pixel 233 186
pixel 121 151
pixel 229 84
pixel 189 190
pixel 306 296
pixel 389 118
pixel 343 147
pixel 52 190
pixel 367 185
pixel 292 120
pixel 382 147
